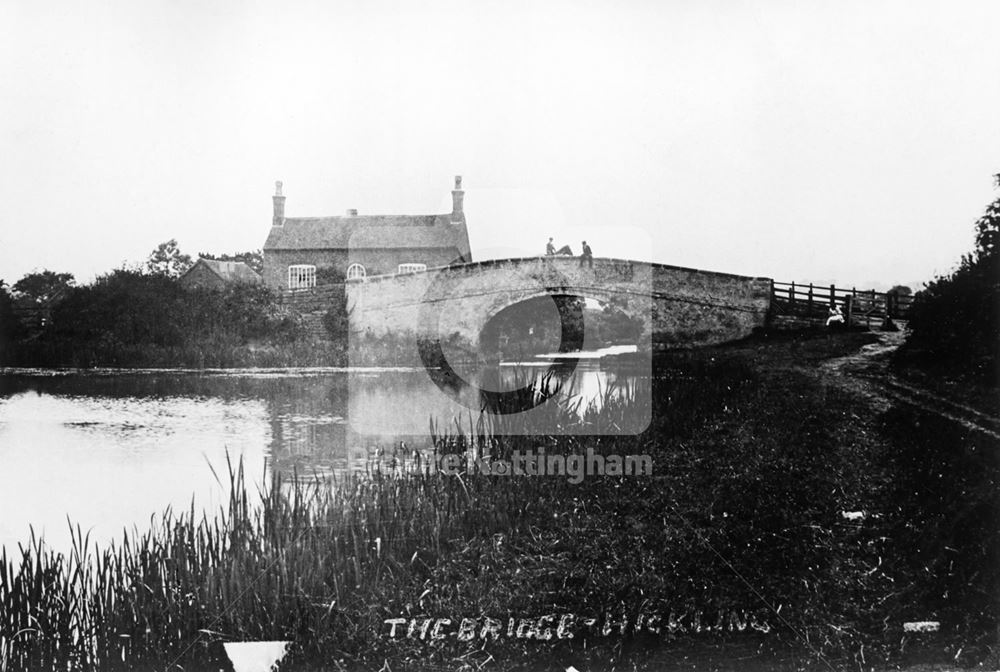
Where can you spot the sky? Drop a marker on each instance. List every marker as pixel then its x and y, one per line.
pixel 848 142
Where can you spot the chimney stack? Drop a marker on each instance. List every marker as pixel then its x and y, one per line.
pixel 279 206
pixel 457 196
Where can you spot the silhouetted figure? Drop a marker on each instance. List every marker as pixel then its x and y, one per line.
pixel 587 255
pixel 550 249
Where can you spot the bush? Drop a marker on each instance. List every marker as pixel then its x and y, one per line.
pixel 133 319
pixel 955 320
pixel 335 319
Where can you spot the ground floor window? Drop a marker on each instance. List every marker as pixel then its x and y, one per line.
pixel 301 276
pixel 412 268
pixel 356 271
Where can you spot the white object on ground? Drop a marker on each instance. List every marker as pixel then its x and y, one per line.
pixel 255 656
pixel 853 515
pixel 921 626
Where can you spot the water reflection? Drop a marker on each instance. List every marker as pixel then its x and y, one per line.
pixel 110 462
pixel 111 449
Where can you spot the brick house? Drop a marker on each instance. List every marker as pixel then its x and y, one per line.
pixel 217 274
pixel 361 245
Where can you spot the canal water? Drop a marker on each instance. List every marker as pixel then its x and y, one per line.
pixel 107 450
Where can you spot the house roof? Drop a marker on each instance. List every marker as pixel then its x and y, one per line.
pixel 230 271
pixel 370 231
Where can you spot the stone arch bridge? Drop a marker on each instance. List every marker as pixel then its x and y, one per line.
pixel 678 307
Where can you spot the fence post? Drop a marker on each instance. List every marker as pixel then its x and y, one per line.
pixel 848 309
pixel 890 309
pixel 871 307
pixel 791 294
pixel 810 299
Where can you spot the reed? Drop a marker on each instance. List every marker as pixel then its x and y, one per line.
pixel 302 559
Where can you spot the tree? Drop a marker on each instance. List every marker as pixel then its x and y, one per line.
pixel 956 318
pixel 167 260
pixel 988 231
pixel 901 290
pixel 9 325
pixel 616 326
pixel 42 286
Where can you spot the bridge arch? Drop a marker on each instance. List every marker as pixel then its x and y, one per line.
pixel 681 307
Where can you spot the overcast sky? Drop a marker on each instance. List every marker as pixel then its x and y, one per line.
pixel 839 141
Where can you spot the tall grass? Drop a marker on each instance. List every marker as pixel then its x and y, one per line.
pixel 686 391
pixel 305 562
pixel 553 419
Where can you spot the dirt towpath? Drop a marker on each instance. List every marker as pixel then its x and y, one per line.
pixel 867 373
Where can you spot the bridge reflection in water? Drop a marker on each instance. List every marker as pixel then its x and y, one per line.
pixel 365 419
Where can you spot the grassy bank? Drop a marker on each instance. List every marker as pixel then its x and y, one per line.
pixel 979 388
pixel 741 523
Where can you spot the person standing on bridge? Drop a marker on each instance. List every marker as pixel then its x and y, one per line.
pixel 587 255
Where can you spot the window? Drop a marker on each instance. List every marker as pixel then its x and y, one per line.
pixel 301 276
pixel 356 271
pixel 412 268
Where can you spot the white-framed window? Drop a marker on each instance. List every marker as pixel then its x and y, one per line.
pixel 301 276
pixel 412 268
pixel 356 271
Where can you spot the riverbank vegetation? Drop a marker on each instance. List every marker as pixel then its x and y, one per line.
pixel 132 319
pixel 144 317
pixel 780 507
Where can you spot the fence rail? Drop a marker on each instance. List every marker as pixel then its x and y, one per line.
pixel 857 305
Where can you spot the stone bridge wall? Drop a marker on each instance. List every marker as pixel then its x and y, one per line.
pixel 679 306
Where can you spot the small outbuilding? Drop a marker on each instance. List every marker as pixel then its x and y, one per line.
pixel 213 274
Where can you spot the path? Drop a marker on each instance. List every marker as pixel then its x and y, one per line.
pixel 867 373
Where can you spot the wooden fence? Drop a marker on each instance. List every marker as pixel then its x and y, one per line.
pixel 859 306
